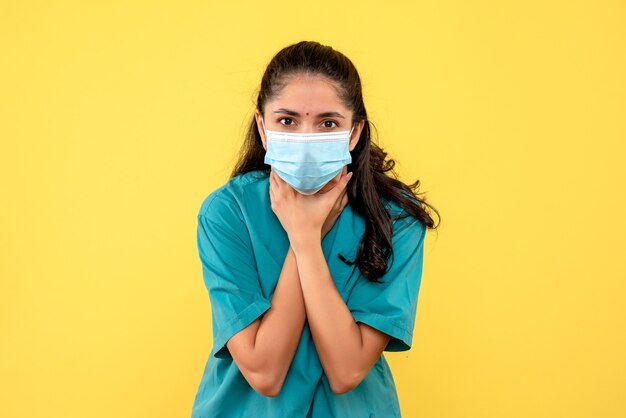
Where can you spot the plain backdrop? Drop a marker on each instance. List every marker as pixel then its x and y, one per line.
pixel 117 118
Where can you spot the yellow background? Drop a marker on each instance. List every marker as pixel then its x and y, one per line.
pixel 118 118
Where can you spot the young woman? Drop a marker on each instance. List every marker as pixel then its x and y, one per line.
pixel 312 255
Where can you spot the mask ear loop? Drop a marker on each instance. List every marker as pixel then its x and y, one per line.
pixel 350 134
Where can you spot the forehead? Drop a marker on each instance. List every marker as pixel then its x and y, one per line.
pixel 307 93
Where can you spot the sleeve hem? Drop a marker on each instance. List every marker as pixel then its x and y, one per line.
pixel 242 320
pixel 401 337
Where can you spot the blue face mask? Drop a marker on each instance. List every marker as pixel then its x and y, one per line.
pixel 307 161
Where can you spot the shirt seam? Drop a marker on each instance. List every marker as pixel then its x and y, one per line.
pixel 393 323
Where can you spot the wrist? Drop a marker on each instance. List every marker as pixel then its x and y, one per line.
pixel 305 241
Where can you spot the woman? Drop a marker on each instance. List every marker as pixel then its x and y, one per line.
pixel 296 333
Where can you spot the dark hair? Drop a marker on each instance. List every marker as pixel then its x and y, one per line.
pixel 370 181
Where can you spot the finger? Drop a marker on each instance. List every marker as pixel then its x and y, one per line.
pixel 277 179
pixel 341 197
pixel 338 201
pixel 341 187
pixel 273 176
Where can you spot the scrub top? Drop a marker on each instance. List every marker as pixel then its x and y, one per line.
pixel 242 246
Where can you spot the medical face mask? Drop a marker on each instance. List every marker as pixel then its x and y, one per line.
pixel 307 161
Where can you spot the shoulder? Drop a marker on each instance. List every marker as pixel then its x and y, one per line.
pixel 403 222
pixel 227 201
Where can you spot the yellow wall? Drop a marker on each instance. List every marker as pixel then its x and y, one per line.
pixel 117 119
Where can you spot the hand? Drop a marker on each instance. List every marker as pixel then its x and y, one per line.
pixel 306 217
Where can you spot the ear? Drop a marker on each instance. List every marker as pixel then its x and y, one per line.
pixel 259 125
pixel 356 134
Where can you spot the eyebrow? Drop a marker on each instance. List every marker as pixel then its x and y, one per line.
pixel 293 113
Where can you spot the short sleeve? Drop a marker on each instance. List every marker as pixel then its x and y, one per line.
pixel 229 272
pixel 391 306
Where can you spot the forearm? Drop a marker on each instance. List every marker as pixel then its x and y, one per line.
pixel 281 327
pixel 336 335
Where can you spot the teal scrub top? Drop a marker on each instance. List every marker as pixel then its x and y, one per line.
pixel 242 247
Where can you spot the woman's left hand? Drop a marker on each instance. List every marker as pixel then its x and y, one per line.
pixel 303 216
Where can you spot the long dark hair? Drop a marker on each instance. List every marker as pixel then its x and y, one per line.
pixel 370 181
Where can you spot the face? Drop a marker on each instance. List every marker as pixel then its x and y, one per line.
pixel 299 108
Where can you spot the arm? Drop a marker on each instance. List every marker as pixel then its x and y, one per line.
pixel 347 349
pixel 265 349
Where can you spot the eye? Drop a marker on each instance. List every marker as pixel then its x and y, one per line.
pixel 330 121
pixel 289 119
